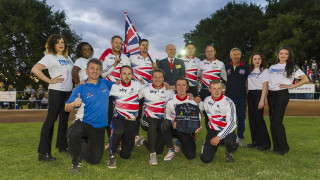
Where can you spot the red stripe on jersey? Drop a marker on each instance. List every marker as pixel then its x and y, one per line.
pixel 145 68
pixel 218 116
pixel 207 76
pixel 124 114
pixel 115 74
pixel 191 70
pixel 127 106
pixel 218 123
pixel 191 76
pixel 211 126
pixel 147 113
pixel 155 109
pixel 212 71
pixel 159 103
pixel 130 98
pixel 205 83
pixel 136 71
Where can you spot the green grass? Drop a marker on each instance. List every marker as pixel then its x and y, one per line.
pixel 19 142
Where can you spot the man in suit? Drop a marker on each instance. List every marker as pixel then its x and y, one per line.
pixel 173 67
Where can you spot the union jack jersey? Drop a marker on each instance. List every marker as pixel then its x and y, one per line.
pixel 191 66
pixel 210 71
pixel 221 113
pixel 108 71
pixel 170 111
pixel 142 67
pixel 126 99
pixel 154 100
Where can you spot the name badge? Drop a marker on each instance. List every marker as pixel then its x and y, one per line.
pixel 178 66
pixel 242 71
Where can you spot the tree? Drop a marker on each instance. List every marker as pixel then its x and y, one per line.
pixel 236 25
pixel 25 26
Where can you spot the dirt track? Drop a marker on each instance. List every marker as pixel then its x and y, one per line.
pixel 295 108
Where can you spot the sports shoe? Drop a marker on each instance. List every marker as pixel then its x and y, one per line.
pixel 46 157
pixel 139 142
pixel 169 155
pixel 240 142
pixel 75 168
pixel 176 146
pixel 112 162
pixel 229 158
pixel 136 139
pixel 153 159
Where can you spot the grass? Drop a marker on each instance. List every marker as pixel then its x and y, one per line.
pixel 19 142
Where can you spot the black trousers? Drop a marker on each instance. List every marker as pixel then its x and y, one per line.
pixel 124 131
pixel 57 101
pixel 208 150
pixel 85 142
pixel 278 101
pixel 139 116
pixel 188 144
pixel 155 141
pixel 110 115
pixel 204 93
pixel 193 90
pixel 258 127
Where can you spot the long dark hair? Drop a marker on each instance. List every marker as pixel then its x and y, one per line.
pixel 79 47
pixel 263 64
pixel 54 39
pixel 290 64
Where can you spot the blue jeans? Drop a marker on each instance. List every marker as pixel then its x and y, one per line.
pixel 241 104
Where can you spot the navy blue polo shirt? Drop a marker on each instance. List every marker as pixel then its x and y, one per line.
pixel 236 80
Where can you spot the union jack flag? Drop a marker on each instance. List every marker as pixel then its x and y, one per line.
pixel 310 74
pixel 132 38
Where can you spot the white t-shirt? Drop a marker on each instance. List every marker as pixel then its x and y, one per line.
pixel 58 65
pixel 82 64
pixel 277 76
pixel 256 79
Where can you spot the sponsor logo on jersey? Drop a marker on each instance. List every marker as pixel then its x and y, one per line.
pixel 153 91
pixel 123 90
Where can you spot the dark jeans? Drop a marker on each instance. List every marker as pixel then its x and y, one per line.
pixel 110 115
pixel 139 116
pixel 258 127
pixel 123 130
pixel 208 150
pixel 241 105
pixel 188 144
pixel 204 93
pixel 85 142
pixel 56 107
pixel 155 141
pixel 278 101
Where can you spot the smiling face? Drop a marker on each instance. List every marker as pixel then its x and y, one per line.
pixel 210 53
pixel 235 56
pixel 144 47
pixel 283 55
pixel 256 60
pixel 215 90
pixel 157 79
pixel 86 51
pixel 94 71
pixel 171 50
pixel 190 50
pixel 59 46
pixel 116 44
pixel 181 87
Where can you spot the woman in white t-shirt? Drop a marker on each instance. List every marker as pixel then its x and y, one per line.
pixel 59 66
pixel 281 77
pixel 84 52
pixel 258 87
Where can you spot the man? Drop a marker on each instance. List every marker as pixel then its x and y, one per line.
pixel 222 114
pixel 142 65
pixel 169 125
pixel 210 69
pixel 124 119
pixel 112 60
pixel 155 96
pixel 191 65
pixel 237 74
pixel 91 100
pixel 173 67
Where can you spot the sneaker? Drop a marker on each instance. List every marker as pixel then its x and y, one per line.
pixel 240 142
pixel 75 168
pixel 136 139
pixel 153 159
pixel 169 155
pixel 112 162
pixel 139 142
pixel 229 158
pixel 176 146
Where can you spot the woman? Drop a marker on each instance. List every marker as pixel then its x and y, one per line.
pixel 281 76
pixel 84 52
pixel 59 66
pixel 258 87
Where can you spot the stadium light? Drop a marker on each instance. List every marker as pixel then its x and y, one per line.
pixel 183 52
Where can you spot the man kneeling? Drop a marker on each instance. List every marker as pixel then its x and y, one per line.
pixel 222 122
pixel 86 134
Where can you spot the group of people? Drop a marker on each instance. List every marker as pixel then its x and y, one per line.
pixel 164 97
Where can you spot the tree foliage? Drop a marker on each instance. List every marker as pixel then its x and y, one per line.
pixel 285 22
pixel 25 26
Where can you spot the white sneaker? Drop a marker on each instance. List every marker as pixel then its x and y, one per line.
pixel 169 155
pixel 153 159
pixel 240 142
pixel 140 140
